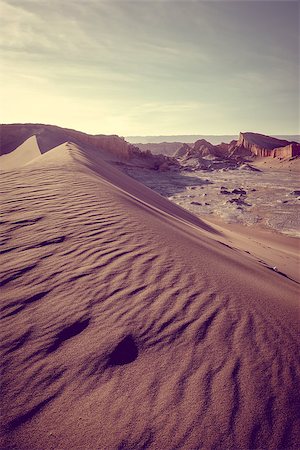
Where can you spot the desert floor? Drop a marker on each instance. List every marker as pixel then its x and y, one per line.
pixel 129 322
pixel 269 201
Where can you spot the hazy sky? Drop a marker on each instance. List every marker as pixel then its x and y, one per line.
pixel 151 67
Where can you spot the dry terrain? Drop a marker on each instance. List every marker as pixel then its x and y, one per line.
pixel 269 197
pixel 129 322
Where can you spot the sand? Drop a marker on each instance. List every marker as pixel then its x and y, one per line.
pixel 23 154
pixel 128 324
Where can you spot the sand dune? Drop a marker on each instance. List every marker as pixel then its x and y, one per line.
pixel 128 324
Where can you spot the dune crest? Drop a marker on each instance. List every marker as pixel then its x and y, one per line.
pixel 127 324
pixel 23 154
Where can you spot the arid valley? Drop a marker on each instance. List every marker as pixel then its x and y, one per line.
pixel 149 225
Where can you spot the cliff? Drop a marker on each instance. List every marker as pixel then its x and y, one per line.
pixel 255 144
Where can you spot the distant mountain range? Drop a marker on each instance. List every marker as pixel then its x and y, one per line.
pixel 191 138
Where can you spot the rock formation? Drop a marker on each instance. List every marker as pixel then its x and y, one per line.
pixel 254 144
pixel 183 151
pixel 248 145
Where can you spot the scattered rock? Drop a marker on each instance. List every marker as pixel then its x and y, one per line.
pixel 239 191
pixel 239 201
pixel 296 193
pixel 196 203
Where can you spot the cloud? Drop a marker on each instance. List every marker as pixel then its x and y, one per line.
pixel 159 64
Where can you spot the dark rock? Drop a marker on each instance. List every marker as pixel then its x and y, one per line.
pixel 239 191
pixel 239 201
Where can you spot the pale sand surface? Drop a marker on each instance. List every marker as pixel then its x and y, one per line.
pixel 209 336
pixel 23 154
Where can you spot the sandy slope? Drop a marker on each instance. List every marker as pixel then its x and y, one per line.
pixel 23 154
pixel 126 324
pixel 290 164
pixel 269 248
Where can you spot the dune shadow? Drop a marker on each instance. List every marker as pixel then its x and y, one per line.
pixel 23 418
pixel 19 342
pixel 97 367
pixel 124 353
pixel 67 333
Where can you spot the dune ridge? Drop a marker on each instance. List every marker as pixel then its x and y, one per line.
pixel 126 323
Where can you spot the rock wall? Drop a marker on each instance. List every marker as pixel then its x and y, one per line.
pixel 288 151
pixel 112 144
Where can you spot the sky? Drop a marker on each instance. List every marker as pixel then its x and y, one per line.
pixel 151 67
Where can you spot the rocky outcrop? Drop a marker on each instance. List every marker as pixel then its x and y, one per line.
pixel 204 148
pixel 200 149
pixel 255 144
pixel 183 151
